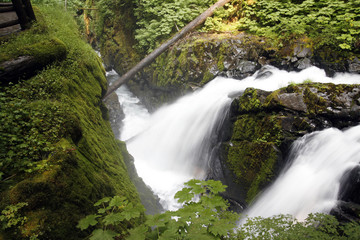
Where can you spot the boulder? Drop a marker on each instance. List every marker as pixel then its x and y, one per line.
pixel 263 126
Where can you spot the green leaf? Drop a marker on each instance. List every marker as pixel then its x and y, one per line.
pixel 89 220
pixel 114 218
pixel 138 233
pixel 130 212
pixel 215 186
pixel 345 46
pixel 102 210
pixel 184 195
pixel 100 234
pixel 104 200
pixel 158 220
pixel 221 227
pixel 117 201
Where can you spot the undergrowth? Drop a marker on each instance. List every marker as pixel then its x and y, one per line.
pixel 57 151
pixel 205 216
pixel 333 23
pixel 34 115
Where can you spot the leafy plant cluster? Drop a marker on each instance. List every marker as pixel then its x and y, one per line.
pixel 157 19
pixel 71 4
pixel 28 130
pixel 12 218
pixel 225 19
pixel 329 22
pixel 33 114
pixel 205 215
pixel 315 226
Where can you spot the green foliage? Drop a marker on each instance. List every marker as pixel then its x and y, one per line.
pixel 12 218
pixel 225 18
pixel 330 22
pixel 64 155
pixel 71 4
pixel 158 19
pixel 111 212
pixel 204 215
pixel 29 129
pixel 315 226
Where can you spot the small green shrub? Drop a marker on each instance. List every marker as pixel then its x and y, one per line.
pixel 204 215
pixel 158 19
pixel 329 22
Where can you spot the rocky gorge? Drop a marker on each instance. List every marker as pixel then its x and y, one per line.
pixel 261 125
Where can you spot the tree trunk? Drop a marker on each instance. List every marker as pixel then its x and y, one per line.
pixel 149 58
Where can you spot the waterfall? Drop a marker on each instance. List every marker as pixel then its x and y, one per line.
pixel 310 184
pixel 173 145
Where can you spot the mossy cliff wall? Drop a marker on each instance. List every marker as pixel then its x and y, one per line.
pixel 264 124
pixel 58 152
pixel 115 30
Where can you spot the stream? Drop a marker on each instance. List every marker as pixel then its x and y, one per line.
pixel 173 145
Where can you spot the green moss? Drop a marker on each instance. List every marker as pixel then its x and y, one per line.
pixel 315 104
pixel 257 128
pixel 44 52
pixel 208 76
pixel 115 25
pixel 249 101
pixel 83 162
pixel 252 153
pixel 253 164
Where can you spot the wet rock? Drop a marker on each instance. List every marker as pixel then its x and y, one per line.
pixel 264 72
pixel 264 125
pixel 294 101
pixel 303 63
pixel 116 114
pixel 302 52
pixel 348 207
pixel 245 66
pixel 354 66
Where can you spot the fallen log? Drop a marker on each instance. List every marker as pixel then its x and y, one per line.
pixel 163 47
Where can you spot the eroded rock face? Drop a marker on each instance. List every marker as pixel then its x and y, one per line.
pixel 200 57
pixel 264 124
pixel 348 207
pixel 116 114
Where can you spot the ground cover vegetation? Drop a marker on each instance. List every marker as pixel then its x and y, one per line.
pixel 327 22
pixel 205 215
pixel 57 151
pixel 333 23
pixel 155 20
pixel 52 124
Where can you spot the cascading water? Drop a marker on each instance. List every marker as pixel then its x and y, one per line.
pixel 311 183
pixel 174 144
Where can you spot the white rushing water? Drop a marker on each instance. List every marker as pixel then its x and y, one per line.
pixel 173 145
pixel 311 183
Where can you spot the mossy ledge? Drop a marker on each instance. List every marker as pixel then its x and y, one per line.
pixel 264 124
pixel 58 152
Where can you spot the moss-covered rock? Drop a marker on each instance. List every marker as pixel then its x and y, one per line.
pixel 264 124
pixel 115 30
pixel 80 160
pixel 194 61
pixel 30 59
